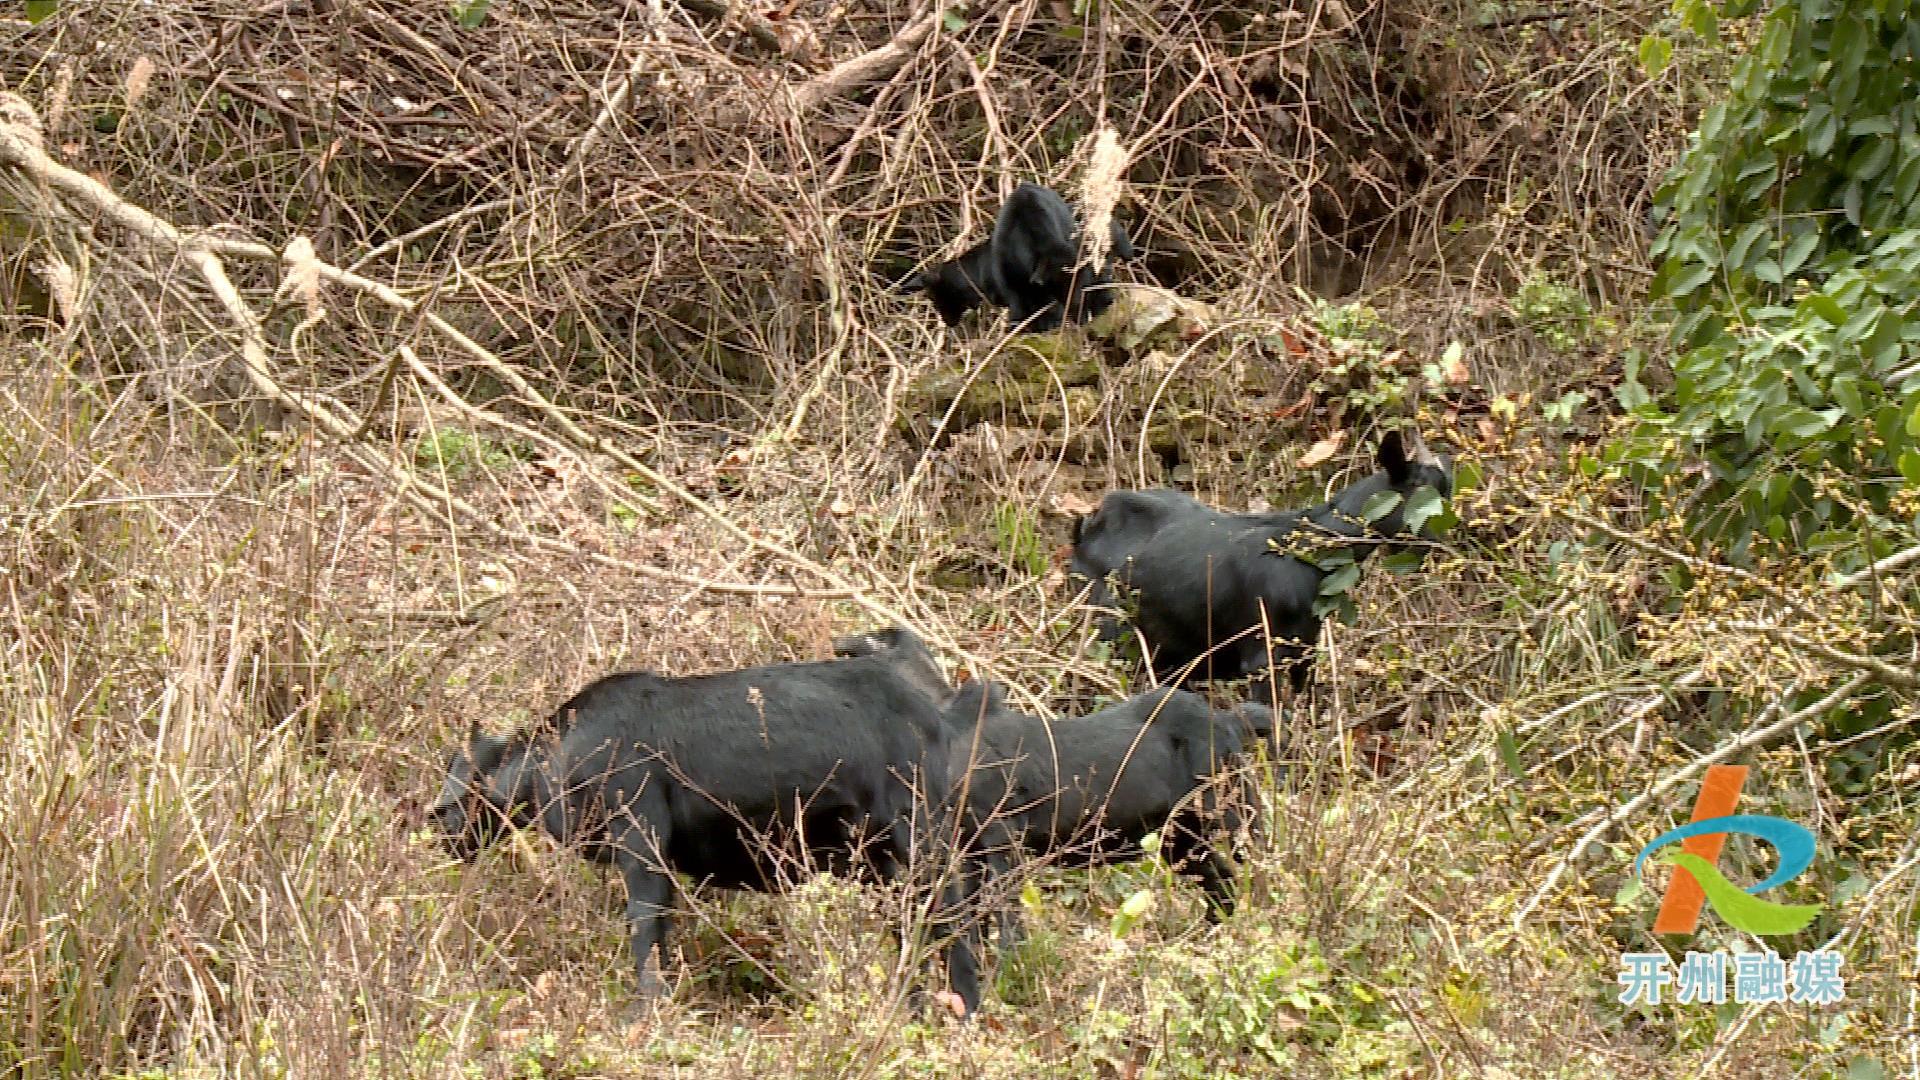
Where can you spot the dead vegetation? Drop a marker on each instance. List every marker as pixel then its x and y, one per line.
pixel 374 374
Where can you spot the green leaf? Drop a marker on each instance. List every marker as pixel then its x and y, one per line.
pixel 1821 128
pixel 1743 244
pixel 1759 165
pixel 1422 506
pixel 1883 347
pixel 1403 563
pixel 1826 307
pixel 1913 419
pixel 1340 607
pixel 1655 53
pixel 1828 540
pixel 1795 256
pixel 39 10
pixel 1340 580
pixel 1510 754
pixel 1700 18
pixel 1863 1067
pixel 1379 505
pixel 1860 323
pixel 1131 911
pixel 1906 183
pixel 1740 909
pixel 470 13
pixel 1802 423
pixel 953 21
pixel 1681 282
pixel 1910 467
pixel 1871 159
pixel 1846 392
pixel 1466 476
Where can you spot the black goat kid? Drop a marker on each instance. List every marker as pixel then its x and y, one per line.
pixel 1029 266
pixel 732 779
pixel 1087 791
pixel 1206 582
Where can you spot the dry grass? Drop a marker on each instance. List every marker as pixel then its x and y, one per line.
pixel 237 639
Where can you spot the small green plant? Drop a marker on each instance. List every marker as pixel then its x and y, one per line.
pixel 1017 539
pixel 531 1059
pixel 1554 311
pixel 1356 323
pixel 1066 133
pixel 1211 1004
pixel 1037 961
pixel 1563 410
pixel 1362 373
pixel 457 454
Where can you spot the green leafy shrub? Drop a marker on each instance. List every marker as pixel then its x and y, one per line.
pixel 1791 260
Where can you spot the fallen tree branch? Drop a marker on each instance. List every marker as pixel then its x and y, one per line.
pixel 1729 1035
pixel 849 75
pixel 1694 677
pixel 1700 567
pixel 1632 714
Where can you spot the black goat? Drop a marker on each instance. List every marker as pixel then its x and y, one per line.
pixel 1207 582
pixel 726 777
pixel 1029 266
pixel 1087 791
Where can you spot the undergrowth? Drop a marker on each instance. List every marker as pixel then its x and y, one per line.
pixel 590 363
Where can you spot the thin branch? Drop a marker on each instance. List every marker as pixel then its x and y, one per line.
pixel 1879 669
pixel 759 29
pixel 19 149
pixel 849 75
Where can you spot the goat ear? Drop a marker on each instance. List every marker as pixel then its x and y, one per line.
pixel 980 697
pixel 1422 455
pixel 1393 457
